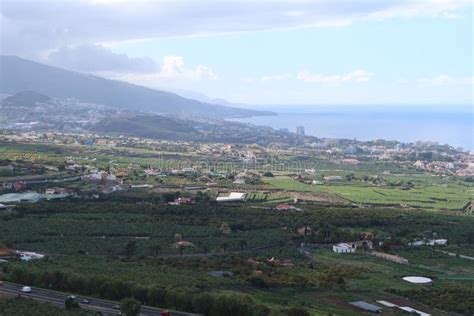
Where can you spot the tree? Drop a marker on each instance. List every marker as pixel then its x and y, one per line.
pixel 130 307
pixel 268 174
pixel 70 303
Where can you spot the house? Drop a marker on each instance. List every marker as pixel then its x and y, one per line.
pixel 416 243
pixel 304 230
pixel 284 207
pixel 232 197
pixel 333 178
pixel 364 243
pixel 19 185
pixel 183 243
pixel 371 308
pixel 29 255
pixel 239 180
pixel 344 248
pixel 182 201
pixel 287 207
pixel 29 197
pixel 429 242
pixel 349 247
pixel 56 191
pixel 282 263
pixel 437 242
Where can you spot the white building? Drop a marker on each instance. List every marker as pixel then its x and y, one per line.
pixel 233 197
pixel 344 248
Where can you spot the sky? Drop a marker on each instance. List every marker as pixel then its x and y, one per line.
pixel 320 52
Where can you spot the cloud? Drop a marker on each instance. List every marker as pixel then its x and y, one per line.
pixel 173 68
pixel 98 59
pixel 173 74
pixel 330 80
pixel 29 28
pixel 446 80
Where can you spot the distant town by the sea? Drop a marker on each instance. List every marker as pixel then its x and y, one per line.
pixel 453 126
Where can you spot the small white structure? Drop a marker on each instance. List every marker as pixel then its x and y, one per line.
pixel 416 243
pixel 418 280
pixel 428 242
pixel 239 181
pixel 233 197
pixel 404 308
pixel 413 311
pixel 343 248
pixel 437 242
pixel 386 303
pixel 29 255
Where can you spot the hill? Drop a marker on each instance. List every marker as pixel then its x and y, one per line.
pixel 26 98
pixel 17 74
pixel 159 127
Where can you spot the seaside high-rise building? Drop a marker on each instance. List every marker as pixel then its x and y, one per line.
pixel 300 130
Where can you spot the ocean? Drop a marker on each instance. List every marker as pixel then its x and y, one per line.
pixel 446 125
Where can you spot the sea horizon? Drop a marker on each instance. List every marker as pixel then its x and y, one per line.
pixel 452 125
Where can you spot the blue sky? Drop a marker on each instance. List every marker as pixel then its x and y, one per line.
pixel 272 52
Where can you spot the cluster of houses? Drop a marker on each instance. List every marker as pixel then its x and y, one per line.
pixel 14 186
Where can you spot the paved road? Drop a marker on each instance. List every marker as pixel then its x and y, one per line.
pixel 58 298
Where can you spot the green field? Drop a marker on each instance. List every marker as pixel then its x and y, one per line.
pixel 425 196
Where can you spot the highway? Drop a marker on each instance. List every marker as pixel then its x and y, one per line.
pixel 57 298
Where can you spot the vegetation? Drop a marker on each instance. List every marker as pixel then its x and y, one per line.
pixel 32 308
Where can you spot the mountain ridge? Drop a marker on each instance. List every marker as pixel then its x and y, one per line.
pixel 18 74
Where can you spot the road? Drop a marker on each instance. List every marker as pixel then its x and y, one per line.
pixel 57 298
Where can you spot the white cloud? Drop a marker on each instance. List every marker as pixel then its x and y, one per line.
pixel 97 59
pixel 431 8
pixel 173 74
pixel 32 27
pixel 173 68
pixel 446 80
pixel 337 79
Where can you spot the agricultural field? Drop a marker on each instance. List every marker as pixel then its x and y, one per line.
pixel 123 242
pixel 452 196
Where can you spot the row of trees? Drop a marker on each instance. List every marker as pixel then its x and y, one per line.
pixel 206 304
